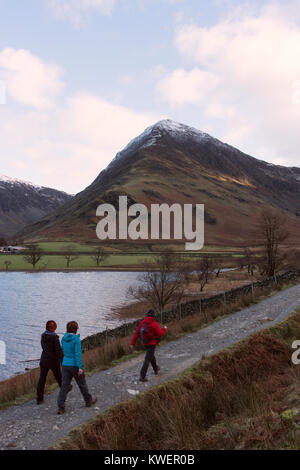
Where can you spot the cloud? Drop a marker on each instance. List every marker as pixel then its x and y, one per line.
pixel 77 11
pixel 244 71
pixel 181 87
pixel 29 80
pixel 67 145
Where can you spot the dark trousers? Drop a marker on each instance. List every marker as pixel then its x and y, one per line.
pixel 149 359
pixel 44 369
pixel 68 372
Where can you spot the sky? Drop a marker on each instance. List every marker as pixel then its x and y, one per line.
pixel 80 78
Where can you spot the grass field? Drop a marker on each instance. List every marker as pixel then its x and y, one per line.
pixel 55 259
pixel 59 262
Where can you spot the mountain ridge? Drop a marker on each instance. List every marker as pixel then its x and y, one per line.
pixel 171 162
pixel 23 203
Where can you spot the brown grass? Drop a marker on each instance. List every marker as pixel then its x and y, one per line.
pixel 233 400
pixel 225 282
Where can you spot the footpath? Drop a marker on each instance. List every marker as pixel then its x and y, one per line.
pixel 29 426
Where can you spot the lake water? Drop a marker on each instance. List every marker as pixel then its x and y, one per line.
pixel 28 300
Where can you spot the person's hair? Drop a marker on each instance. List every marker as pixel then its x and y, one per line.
pixel 51 325
pixel 150 313
pixel 72 327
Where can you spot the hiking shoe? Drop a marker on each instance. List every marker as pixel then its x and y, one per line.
pixel 92 402
pixel 60 411
pixel 157 370
pixel 143 379
pixel 40 402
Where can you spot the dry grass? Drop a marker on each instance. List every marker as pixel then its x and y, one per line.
pixel 233 400
pixel 225 282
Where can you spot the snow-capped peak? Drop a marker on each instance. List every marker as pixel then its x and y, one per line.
pixel 8 179
pixel 165 127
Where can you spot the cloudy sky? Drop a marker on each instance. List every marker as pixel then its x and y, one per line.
pixel 80 78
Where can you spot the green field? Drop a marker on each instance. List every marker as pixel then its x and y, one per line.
pixel 55 259
pixel 61 246
pixel 59 262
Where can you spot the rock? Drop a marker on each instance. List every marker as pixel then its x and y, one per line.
pixel 133 392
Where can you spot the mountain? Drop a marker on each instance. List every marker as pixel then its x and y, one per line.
pixel 171 162
pixel 22 203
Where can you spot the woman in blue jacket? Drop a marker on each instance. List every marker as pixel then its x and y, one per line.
pixel 72 367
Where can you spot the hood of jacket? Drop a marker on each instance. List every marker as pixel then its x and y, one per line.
pixel 70 337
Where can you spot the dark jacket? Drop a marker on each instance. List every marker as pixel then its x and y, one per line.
pixel 153 330
pixel 52 351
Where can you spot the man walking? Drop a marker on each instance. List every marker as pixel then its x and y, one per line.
pixel 72 367
pixel 51 358
pixel 149 333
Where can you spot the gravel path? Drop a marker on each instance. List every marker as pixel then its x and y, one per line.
pixel 29 426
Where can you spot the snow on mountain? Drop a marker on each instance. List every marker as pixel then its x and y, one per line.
pixel 8 179
pixel 22 203
pixel 166 127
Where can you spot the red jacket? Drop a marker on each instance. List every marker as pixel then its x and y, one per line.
pixel 154 329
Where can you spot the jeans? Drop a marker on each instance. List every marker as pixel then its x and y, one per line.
pixel 68 372
pixel 149 358
pixel 44 369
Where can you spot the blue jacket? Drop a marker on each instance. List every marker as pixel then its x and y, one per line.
pixel 71 345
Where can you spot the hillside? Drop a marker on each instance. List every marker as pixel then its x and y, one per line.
pixel 23 203
pixel 170 162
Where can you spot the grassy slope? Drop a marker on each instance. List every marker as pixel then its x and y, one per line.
pixel 245 397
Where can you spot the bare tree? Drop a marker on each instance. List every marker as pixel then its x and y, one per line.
pixel 99 256
pixel 163 285
pixel 69 254
pixel 249 261
pixel 204 269
pixel 33 255
pixel 271 233
pixel 7 264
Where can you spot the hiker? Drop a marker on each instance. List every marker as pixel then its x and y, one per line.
pixel 150 333
pixel 72 367
pixel 51 358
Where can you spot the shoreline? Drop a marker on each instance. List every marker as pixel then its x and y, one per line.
pixel 118 269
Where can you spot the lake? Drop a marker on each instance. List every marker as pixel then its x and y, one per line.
pixel 28 300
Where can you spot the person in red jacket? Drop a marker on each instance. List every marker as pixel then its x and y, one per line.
pixel 149 333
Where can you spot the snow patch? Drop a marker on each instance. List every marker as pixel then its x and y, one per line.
pixel 8 179
pixel 179 132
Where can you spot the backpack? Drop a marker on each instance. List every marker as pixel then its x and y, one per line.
pixel 146 334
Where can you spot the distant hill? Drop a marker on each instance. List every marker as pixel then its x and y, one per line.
pixel 171 162
pixel 23 203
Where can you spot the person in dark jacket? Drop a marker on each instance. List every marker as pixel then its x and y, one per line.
pixel 149 332
pixel 51 358
pixel 72 367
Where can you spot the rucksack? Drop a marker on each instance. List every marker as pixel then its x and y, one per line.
pixel 146 334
